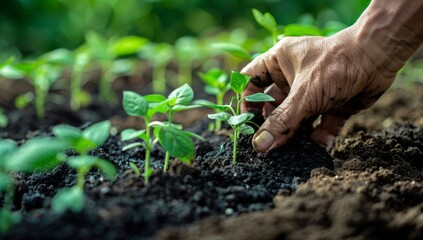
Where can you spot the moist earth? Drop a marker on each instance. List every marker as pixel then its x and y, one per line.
pixel 369 187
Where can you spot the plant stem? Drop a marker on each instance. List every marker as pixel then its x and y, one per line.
pixel 167 157
pixel 147 152
pixel 76 89
pixel 40 96
pixel 159 79
pixel 235 146
pixel 219 101
pixel 106 92
pixel 80 179
pixel 185 72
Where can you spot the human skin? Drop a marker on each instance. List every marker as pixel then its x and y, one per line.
pixel 334 77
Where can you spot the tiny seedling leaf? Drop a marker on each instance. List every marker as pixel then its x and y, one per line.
pixel 239 82
pixel 135 168
pixel 130 134
pixel 240 119
pixel 106 167
pixel 301 30
pixel 177 142
pixel 259 97
pixel 265 20
pixel 215 77
pixel 69 198
pixel 82 162
pixel 234 50
pixel 154 98
pixel 37 154
pixel 132 145
pixel 211 90
pixel 209 104
pixel 71 135
pixel 6 146
pixel 183 95
pixel 97 133
pixel 245 129
pixel 224 116
pixel 128 45
pixel 134 104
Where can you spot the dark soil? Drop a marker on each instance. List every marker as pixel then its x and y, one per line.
pixel 369 187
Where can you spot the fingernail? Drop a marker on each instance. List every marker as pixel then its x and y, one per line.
pixel 263 141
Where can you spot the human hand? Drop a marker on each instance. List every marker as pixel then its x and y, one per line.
pixel 309 76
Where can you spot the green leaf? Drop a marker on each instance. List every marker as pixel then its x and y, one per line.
pixel 209 104
pixel 71 135
pixel 3 120
pixel 11 72
pixel 130 134
pixel 6 147
pixel 7 220
pixel 84 163
pixel 178 108
pixel 259 97
pixel 215 78
pixel 128 45
pixel 177 142
pixel 106 167
pixel 183 95
pixel 123 67
pixel 98 46
pixel 132 145
pixel 97 133
pixel 224 116
pixel 134 104
pixel 245 129
pixel 265 20
pixel 5 182
pixel 194 135
pixel 37 154
pixel 23 100
pixel 135 168
pixel 239 82
pixel 234 50
pixel 301 30
pixel 240 119
pixel 155 98
pixel 211 90
pixel 60 56
pixel 69 198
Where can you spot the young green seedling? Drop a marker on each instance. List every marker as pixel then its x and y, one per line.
pixel 187 49
pixel 172 138
pixel 81 141
pixel 177 142
pixel 107 53
pixel 146 107
pixel 35 155
pixel 217 84
pixel 268 22
pixel 81 59
pixel 237 120
pixel 159 55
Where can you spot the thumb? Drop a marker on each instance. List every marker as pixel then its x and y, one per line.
pixel 282 123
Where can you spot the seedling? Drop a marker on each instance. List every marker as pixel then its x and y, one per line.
pixel 238 83
pixel 187 50
pixel 268 22
pixel 81 141
pixel 217 84
pixel 107 53
pixel 81 59
pixel 159 55
pixel 35 155
pixel 176 142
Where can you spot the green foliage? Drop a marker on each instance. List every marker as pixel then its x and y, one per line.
pixel 237 120
pixel 81 141
pixel 267 21
pixel 234 50
pixel 176 142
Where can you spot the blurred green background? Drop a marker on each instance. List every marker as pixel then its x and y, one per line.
pixel 32 27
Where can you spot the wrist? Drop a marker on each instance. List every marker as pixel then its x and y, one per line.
pixel 389 32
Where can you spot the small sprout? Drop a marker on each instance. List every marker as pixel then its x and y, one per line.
pixel 109 53
pixel 268 22
pixel 135 168
pixel 217 84
pixel 177 142
pixel 82 141
pixel 238 121
pixel 234 50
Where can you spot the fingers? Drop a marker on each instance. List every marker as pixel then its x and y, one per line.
pixel 281 125
pixel 325 133
pixel 278 94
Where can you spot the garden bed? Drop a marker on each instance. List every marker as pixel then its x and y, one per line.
pixel 370 186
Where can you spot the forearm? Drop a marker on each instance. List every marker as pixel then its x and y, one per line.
pixel 390 31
